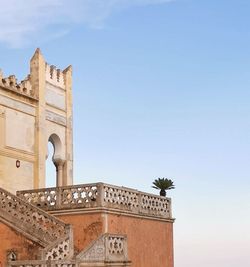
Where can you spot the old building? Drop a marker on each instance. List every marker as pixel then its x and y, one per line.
pixel 68 225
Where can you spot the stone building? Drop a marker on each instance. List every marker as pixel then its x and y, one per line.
pixel 68 225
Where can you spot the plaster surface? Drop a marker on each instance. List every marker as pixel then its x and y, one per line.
pixel 32 113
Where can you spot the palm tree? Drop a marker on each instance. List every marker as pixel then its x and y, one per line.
pixel 163 184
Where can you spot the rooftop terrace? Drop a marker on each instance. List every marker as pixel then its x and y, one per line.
pixel 99 196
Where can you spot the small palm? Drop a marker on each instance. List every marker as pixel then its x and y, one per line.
pixel 163 184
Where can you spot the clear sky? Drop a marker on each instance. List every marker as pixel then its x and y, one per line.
pixel 161 89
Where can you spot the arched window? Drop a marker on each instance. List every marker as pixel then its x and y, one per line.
pixel 50 167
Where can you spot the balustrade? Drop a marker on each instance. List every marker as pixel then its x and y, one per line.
pixel 52 234
pixel 107 248
pixel 99 195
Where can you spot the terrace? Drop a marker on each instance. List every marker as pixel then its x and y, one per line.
pixel 99 196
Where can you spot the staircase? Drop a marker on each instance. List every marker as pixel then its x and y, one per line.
pixel 53 235
pixel 56 238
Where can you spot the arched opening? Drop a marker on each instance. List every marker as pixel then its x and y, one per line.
pixel 50 167
pixel 55 162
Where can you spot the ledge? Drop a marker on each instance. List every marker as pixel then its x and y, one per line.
pixel 15 91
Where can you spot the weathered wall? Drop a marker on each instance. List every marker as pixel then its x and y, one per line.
pixel 12 177
pixel 12 240
pixel 55 96
pixel 86 228
pixel 19 130
pixel 150 242
pixel 17 127
pixel 30 113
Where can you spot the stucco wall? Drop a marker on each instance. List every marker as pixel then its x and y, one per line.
pixel 30 112
pixel 17 128
pixel 55 96
pixel 11 240
pixel 86 228
pixel 12 177
pixel 150 242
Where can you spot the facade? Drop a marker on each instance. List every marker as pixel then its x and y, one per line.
pixel 33 112
pixel 68 225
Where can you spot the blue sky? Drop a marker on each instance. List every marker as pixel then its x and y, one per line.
pixel 161 89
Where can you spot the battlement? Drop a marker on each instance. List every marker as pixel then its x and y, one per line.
pixel 23 88
pixel 54 76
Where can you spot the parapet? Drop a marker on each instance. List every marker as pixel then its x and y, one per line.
pixel 99 196
pixel 23 88
pixel 54 76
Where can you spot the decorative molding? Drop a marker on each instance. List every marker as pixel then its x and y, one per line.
pixel 10 148
pixel 107 248
pixel 95 252
pixel 54 117
pixel 18 154
pixel 109 211
pixel 17 105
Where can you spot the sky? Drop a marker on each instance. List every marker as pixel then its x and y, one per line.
pixel 161 89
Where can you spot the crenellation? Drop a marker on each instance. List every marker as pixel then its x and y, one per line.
pixel 12 81
pixel 24 87
pixel 54 76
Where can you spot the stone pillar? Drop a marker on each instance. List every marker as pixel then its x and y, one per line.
pixel 59 171
pixel 37 72
pixel 68 166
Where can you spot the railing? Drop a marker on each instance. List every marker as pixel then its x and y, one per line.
pixel 99 195
pixel 52 234
pixel 107 248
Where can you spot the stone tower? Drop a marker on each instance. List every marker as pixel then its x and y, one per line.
pixel 32 113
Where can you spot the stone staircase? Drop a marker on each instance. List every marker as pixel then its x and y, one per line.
pixel 107 251
pixel 54 236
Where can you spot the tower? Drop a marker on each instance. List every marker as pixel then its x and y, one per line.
pixel 32 113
